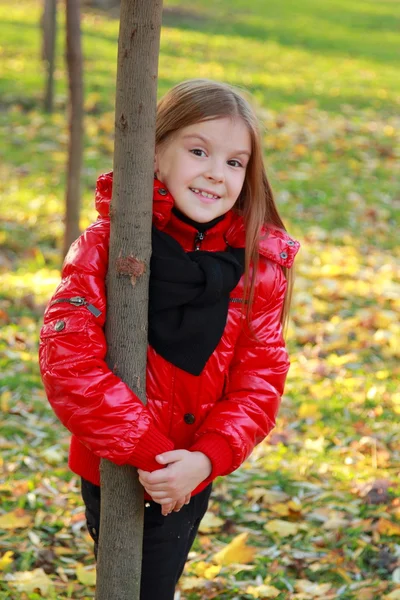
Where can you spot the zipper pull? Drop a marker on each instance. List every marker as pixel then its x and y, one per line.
pixel 200 235
pixel 93 309
pixel 79 301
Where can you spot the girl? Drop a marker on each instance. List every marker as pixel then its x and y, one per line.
pixel 219 293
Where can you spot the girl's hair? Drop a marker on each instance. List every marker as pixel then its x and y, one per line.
pixel 199 100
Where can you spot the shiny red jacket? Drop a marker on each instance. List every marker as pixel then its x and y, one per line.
pixel 223 413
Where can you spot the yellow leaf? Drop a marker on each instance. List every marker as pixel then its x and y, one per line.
pixel 282 528
pixel 15 520
pixel 387 527
pixel 395 595
pixel 314 589
pixel 86 574
pixel 6 560
pixel 235 552
pixel 30 581
pixel 334 523
pixel 309 411
pixel 210 522
pixel 281 509
pixel 262 591
pixel 267 496
pixel 204 569
pixel 189 584
pixel 212 571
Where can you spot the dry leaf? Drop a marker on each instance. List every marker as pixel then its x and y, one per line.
pixel 236 552
pixel 204 569
pixel 395 595
pixel 6 560
pixel 309 411
pixel 30 581
pixel 210 522
pixel 386 527
pixel 282 528
pixel 86 574
pixel 315 589
pixel 366 594
pixel 15 520
pixel 334 523
pixel 267 496
pixel 263 591
pixel 189 584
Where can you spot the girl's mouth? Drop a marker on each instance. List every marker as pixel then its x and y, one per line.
pixel 205 196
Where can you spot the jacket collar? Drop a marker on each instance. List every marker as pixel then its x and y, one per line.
pixel 275 243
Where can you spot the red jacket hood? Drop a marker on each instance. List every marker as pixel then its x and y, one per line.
pixel 275 243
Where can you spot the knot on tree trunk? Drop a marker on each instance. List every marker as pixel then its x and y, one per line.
pixel 131 266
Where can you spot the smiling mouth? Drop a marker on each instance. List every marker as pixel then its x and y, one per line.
pixel 204 194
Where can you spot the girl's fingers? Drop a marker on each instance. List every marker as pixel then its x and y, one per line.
pixel 157 496
pixel 154 487
pixel 165 501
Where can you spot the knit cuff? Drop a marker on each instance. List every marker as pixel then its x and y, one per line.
pixel 218 451
pixel 149 446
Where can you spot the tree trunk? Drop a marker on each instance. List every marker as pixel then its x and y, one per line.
pixel 75 78
pixel 49 26
pixel 121 526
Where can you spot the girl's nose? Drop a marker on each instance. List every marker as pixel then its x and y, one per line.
pixel 216 173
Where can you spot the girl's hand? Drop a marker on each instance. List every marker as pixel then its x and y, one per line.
pixel 184 472
pixel 166 509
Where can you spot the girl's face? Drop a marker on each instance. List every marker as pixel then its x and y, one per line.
pixel 204 166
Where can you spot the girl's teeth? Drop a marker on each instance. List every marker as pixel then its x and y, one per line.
pixel 205 194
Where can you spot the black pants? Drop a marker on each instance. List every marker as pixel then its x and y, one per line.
pixel 166 540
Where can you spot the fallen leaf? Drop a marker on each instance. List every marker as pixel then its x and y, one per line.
pixel 6 560
pixel 366 594
pixel 204 569
pixel 386 527
pixel 309 587
pixel 30 581
pixel 307 411
pixel 395 595
pixel 236 552
pixel 262 591
pixel 86 574
pixel 210 522
pixel 17 519
pixel 282 528
pixel 191 584
pixel 267 496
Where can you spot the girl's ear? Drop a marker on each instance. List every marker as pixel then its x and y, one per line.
pixel 155 165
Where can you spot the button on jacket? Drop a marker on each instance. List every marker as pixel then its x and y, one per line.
pixel 224 412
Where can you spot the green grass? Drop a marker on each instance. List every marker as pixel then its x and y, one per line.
pixel 324 77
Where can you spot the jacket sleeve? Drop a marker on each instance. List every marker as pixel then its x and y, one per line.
pixel 92 402
pixel 246 413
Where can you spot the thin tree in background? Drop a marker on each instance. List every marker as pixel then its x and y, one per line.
pixel 49 28
pixel 121 525
pixel 75 80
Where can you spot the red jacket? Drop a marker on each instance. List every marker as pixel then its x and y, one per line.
pixel 223 413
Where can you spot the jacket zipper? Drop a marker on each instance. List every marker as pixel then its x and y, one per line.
pixel 79 301
pixel 200 235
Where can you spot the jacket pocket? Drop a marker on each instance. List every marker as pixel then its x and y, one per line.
pixel 65 339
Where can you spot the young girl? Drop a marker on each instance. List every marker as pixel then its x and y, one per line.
pixel 219 292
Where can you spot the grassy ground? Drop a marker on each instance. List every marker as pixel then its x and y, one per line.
pixel 320 501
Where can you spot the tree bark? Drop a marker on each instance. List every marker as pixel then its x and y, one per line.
pixel 75 79
pixel 49 26
pixel 122 506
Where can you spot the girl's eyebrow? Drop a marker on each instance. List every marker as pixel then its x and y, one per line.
pixel 207 141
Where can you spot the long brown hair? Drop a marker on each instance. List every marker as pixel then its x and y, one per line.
pixel 199 100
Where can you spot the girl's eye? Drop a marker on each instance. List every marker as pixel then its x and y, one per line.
pixel 197 152
pixel 237 163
